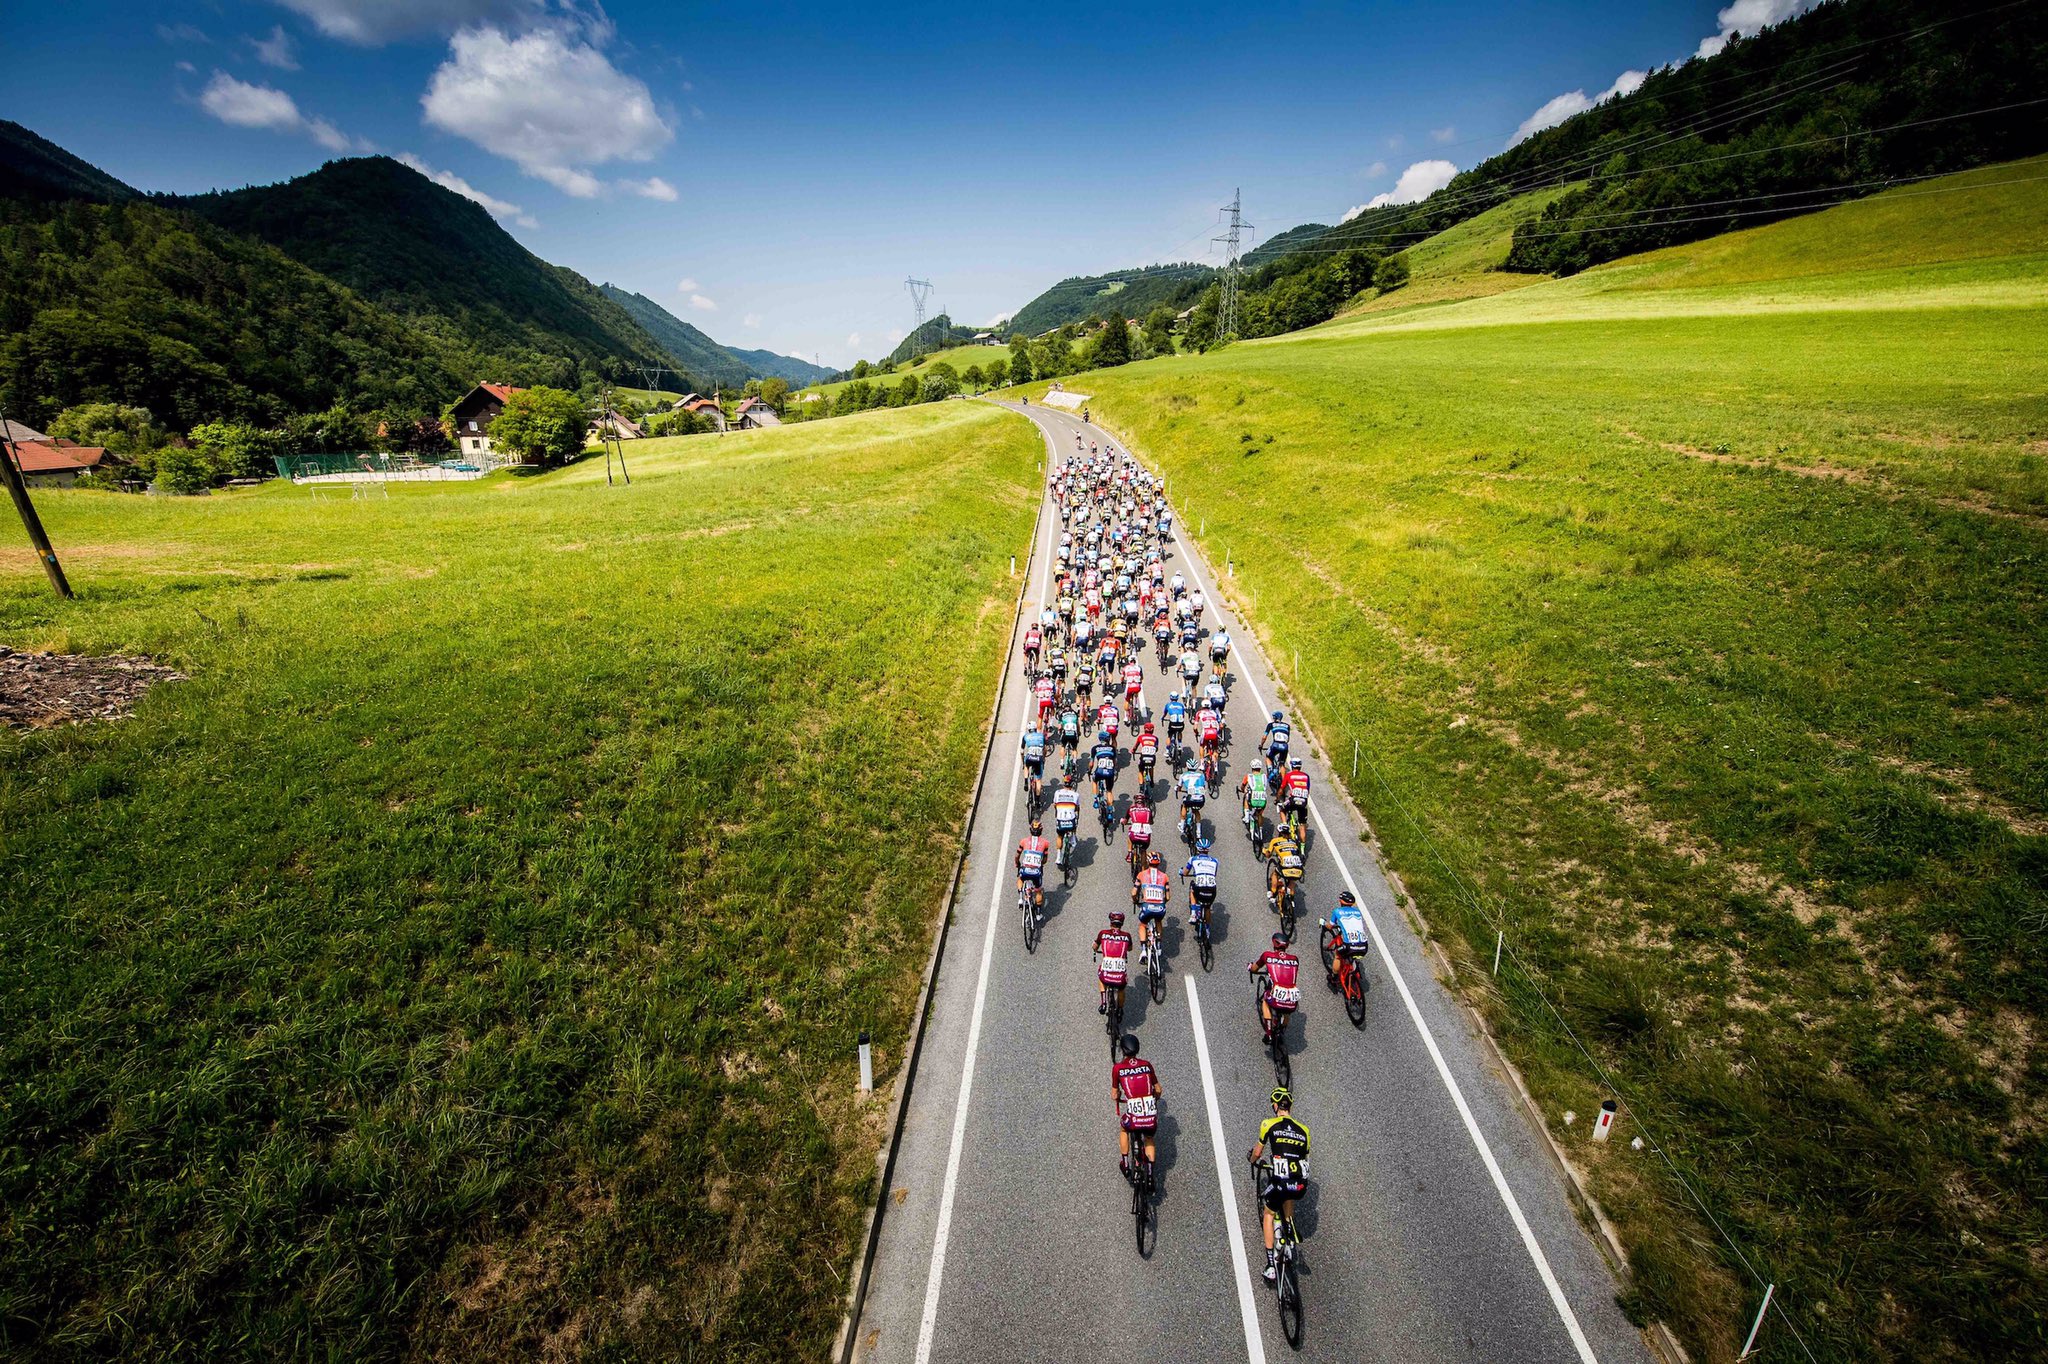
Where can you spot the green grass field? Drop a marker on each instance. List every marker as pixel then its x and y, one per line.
pixel 467 961
pixel 1689 617
pixel 959 357
pixel 1463 262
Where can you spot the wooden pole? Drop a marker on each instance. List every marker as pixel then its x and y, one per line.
pixel 10 469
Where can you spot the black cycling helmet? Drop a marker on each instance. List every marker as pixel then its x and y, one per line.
pixel 1345 897
pixel 1038 826
pixel 1281 1098
pixel 1128 1044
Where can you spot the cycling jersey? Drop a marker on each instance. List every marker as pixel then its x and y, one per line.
pixel 1033 745
pixel 1137 1093
pixel 1066 809
pixel 1151 893
pixel 1191 664
pixel 1282 971
pixel 1134 679
pixel 1045 691
pixel 1201 873
pixel 1176 714
pixel 1031 853
pixel 1194 787
pixel 1285 1139
pixel 1212 728
pixel 1070 725
pixel 1147 746
pixel 1219 644
pixel 1104 760
pixel 1255 790
pixel 1113 945
pixel 1284 850
pixel 1349 921
pixel 1294 788
pixel 1106 717
pixel 1139 823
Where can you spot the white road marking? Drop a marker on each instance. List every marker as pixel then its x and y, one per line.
pixel 1443 1069
pixel 930 1322
pixel 1254 1344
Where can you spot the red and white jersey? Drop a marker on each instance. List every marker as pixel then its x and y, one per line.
pixel 1210 725
pixel 1283 978
pixel 1146 745
pixel 1031 636
pixel 1152 887
pixel 1045 691
pixel 1139 823
pixel 1134 677
pixel 1294 786
pixel 1106 717
pixel 1137 1093
pixel 1032 852
pixel 1114 947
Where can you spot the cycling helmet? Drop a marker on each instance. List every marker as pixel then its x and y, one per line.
pixel 1281 1098
pixel 1037 825
pixel 1294 764
pixel 1148 726
pixel 1201 845
pixel 1279 941
pixel 1128 1044
pixel 1345 897
pixel 1116 918
pixel 1276 715
pixel 1152 860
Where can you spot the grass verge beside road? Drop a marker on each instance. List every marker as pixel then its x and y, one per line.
pixel 1706 655
pixel 466 962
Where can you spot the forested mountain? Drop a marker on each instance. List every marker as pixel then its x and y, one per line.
pixel 937 333
pixel 1133 292
pixel 442 262
pixel 33 167
pixel 711 364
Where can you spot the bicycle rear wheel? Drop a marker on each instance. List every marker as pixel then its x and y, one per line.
pixel 1147 1226
pixel 1205 944
pixel 1354 995
pixel 1156 969
pixel 1287 896
pixel 1290 1301
pixel 1283 1069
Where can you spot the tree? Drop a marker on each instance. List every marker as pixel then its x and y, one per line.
pixel 1391 274
pixel 111 426
pixel 541 426
pixel 998 372
pixel 907 392
pixel 937 386
pixel 227 450
pixel 973 377
pixel 775 392
pixel 183 471
pixel 1201 332
pixel 1020 370
pixel 1113 346
pixel 1159 330
pixel 860 369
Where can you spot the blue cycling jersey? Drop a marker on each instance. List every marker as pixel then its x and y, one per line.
pixel 1105 762
pixel 1034 744
pixel 1176 713
pixel 1350 924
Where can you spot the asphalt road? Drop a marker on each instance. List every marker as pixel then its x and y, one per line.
pixel 1436 1229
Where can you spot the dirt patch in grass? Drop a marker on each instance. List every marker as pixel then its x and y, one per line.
pixel 41 690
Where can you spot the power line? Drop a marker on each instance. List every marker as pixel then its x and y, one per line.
pixel 1226 317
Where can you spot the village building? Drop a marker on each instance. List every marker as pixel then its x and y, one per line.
pixel 709 411
pixel 753 414
pixel 56 462
pixel 473 414
pixel 613 426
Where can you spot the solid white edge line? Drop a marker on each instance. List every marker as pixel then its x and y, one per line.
pixel 928 1325
pixel 1254 1343
pixel 1443 1068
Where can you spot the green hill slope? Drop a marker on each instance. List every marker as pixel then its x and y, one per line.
pixel 33 167
pixel 773 364
pixel 1133 292
pixel 1690 615
pixel 434 257
pixel 710 365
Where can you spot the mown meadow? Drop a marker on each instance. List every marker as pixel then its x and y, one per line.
pixel 1688 616
pixel 467 961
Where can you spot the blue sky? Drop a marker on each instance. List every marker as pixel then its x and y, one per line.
pixel 773 172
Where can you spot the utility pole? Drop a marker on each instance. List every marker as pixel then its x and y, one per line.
pixel 10 469
pixel 920 290
pixel 608 435
pixel 1226 316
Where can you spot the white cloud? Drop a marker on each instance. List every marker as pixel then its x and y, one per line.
pixel 187 68
pixel 894 334
pixel 702 304
pixel 852 340
pixel 751 321
pixel 181 33
pixel 276 50
pixel 687 285
pixel 1443 134
pixel 653 187
pixel 1394 143
pixel 547 101
pixel 1417 183
pixel 496 207
pixel 1747 17
pixel 374 22
pixel 1573 103
pixel 243 105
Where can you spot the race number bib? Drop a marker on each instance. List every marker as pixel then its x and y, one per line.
pixel 1146 1107
pixel 1287 996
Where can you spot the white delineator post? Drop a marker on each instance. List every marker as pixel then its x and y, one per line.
pixel 1757 1325
pixel 1603 1126
pixel 867 1066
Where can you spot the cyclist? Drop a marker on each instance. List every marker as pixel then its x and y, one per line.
pixel 1031 642
pixel 1084 678
pixel 1283 862
pixel 1137 1090
pixel 1134 686
pixel 1066 811
pixel 1146 747
pixel 1112 960
pixel 1070 727
pixel 1194 794
pixel 1108 719
pixel 1180 585
pixel 1102 768
pixel 1278 972
pixel 1285 1177
pixel 1200 874
pixel 1209 726
pixel 1138 827
pixel 1251 795
pixel 1219 653
pixel 1344 930
pixel 1030 861
pixel 1148 893
pixel 1277 737
pixel 1294 788
pixel 1055 665
pixel 1175 713
pixel 1213 695
pixel 1190 666
pixel 1033 748
pixel 1046 694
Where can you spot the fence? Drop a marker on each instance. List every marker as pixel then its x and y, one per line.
pixel 376 466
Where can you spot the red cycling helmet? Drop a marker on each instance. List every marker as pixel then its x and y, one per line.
pixel 1116 918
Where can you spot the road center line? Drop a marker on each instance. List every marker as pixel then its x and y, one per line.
pixel 1254 1344
pixel 1500 1181
pixel 929 1324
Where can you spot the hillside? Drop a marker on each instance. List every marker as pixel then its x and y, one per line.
pixel 1134 292
pixel 766 364
pixel 1690 620
pixel 710 364
pixel 1465 261
pixel 434 257
pixel 32 167
pixel 938 333
pixel 959 357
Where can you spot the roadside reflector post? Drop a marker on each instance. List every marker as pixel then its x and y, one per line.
pixel 1603 1126
pixel 1354 777
pixel 1013 565
pixel 1500 939
pixel 1749 1345
pixel 867 1066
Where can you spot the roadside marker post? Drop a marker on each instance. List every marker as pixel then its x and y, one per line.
pixel 1603 1126
pixel 1500 939
pixel 1749 1345
pixel 867 1065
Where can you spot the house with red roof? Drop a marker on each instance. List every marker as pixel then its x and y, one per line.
pixel 753 414
pixel 54 462
pixel 473 414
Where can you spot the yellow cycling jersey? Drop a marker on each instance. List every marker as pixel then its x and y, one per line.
pixel 1287 853
pixel 1284 1135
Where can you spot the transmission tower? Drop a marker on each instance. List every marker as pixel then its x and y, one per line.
pixel 920 290
pixel 1226 316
